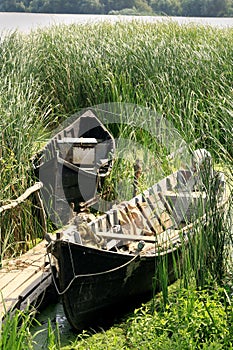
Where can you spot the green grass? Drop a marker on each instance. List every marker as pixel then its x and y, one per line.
pixel 182 73
pixel 15 331
pixel 191 320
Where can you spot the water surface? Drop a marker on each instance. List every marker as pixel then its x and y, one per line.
pixel 25 22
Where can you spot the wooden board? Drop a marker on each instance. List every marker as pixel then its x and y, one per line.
pixel 23 279
pixel 26 293
pixel 165 238
pixel 125 237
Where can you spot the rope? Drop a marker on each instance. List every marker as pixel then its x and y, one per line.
pixel 85 275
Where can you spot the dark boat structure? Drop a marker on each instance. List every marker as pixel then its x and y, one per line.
pixel 112 261
pixel 73 165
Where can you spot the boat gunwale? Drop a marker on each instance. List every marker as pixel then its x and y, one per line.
pixel 174 243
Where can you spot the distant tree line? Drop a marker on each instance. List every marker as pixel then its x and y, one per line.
pixel 196 8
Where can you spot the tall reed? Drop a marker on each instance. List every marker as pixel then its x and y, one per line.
pixel 182 72
pixel 22 127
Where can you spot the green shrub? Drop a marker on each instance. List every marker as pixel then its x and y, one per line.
pixel 192 320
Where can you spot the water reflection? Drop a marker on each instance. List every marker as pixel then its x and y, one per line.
pixel 54 313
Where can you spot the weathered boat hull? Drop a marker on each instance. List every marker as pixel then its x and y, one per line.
pixel 95 294
pixel 121 257
pixel 68 188
pixel 73 165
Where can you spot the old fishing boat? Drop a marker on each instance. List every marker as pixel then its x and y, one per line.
pixel 111 261
pixel 73 165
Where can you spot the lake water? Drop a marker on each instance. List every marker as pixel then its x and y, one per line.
pixel 25 22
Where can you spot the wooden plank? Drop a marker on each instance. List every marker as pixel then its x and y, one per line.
pixel 124 237
pixel 155 213
pixel 24 278
pixel 36 293
pixel 165 236
pixel 22 263
pixel 10 277
pixel 28 290
pixel 29 263
pixel 17 282
pixel 152 219
pixel 34 254
pixel 29 285
pixel 131 220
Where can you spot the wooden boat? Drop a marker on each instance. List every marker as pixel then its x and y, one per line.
pixel 113 261
pixel 73 164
